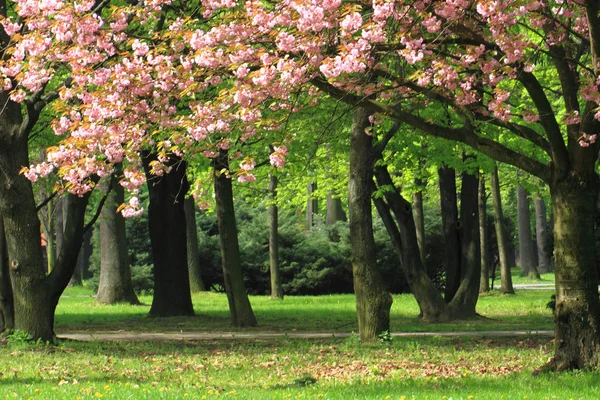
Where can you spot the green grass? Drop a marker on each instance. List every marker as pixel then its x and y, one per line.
pixel 407 368
pixel 518 279
pixel 420 368
pixel 332 313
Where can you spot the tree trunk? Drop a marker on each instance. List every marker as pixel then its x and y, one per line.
pixel 447 183
pixel 76 278
pixel 419 217
pixel 465 300
pixel 49 228
pixel 239 304
pixel 193 255
pixel 7 318
pixel 87 253
pixel 115 284
pixel 528 267
pixel 276 290
pixel 541 235
pixel 31 295
pixel 577 310
pixel 312 205
pixel 484 284
pixel 166 220
pixel 335 210
pixel 404 238
pixel 373 301
pixel 506 286
pixel 59 225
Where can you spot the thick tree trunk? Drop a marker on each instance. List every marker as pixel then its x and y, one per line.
pixel 115 284
pixel 447 184
pixel 239 304
pixel 484 284
pixel 506 286
pixel 541 235
pixel 464 301
pixel 419 217
pixel 577 310
pixel 276 290
pixel 528 267
pixel 193 255
pixel 335 210
pixel 312 205
pixel 7 317
pixel 373 301
pixel 166 220
pixel 31 294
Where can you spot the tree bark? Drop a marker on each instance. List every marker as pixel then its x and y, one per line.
pixel 528 267
pixel 447 184
pixel 7 317
pixel 193 255
pixel 312 205
pixel 31 294
pixel 239 304
pixel 577 310
pixel 166 220
pixel 373 301
pixel 484 284
pixel 419 217
pixel 335 210
pixel 403 235
pixel 115 284
pixel 276 290
pixel 59 225
pixel 506 286
pixel 465 300
pixel 541 235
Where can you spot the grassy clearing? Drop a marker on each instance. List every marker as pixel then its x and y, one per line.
pixel 518 279
pixel 406 368
pixel 333 313
pixel 421 368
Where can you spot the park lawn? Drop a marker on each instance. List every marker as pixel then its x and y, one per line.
pixel 77 311
pixel 517 279
pixel 405 368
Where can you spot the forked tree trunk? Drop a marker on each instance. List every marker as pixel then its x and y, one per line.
pixel 403 235
pixel 373 301
pixel 6 297
pixel 312 205
pixel 528 267
pixel 193 255
pixel 577 310
pixel 447 184
pixel 276 290
pixel 484 284
pixel 166 220
pixel 115 284
pixel 239 304
pixel 335 210
pixel 419 217
pixel 506 286
pixel 541 235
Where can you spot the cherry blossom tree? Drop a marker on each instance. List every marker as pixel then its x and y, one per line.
pixel 525 68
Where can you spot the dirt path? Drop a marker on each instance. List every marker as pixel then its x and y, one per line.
pixel 145 336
